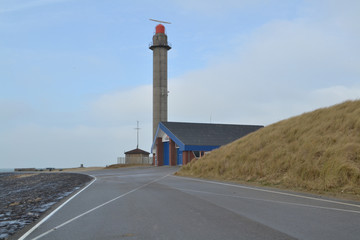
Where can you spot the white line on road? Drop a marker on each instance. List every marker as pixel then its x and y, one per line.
pixel 53 212
pixel 265 200
pixel 270 191
pixel 99 206
pixel 123 175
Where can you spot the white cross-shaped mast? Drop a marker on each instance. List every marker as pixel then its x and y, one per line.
pixel 137 133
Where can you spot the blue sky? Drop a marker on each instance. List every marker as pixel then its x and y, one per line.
pixel 76 75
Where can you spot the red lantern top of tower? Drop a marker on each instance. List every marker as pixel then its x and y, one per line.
pixel 160 28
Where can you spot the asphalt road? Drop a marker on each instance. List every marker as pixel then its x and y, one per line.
pixel 151 203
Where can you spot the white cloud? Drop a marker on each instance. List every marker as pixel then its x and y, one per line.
pixel 282 69
pixel 106 131
pixel 335 94
pixel 39 146
pixel 11 111
pixel 124 106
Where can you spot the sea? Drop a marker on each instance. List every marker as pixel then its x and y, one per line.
pixel 2 170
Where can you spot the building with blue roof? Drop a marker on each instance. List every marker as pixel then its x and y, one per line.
pixel 177 143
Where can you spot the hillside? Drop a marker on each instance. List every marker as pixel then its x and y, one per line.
pixel 317 152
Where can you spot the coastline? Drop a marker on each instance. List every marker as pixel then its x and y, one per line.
pixel 27 197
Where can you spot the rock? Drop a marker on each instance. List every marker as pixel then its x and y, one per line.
pixel 25 197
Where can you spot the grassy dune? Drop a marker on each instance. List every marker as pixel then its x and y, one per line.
pixel 317 152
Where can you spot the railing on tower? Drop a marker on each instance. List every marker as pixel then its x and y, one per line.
pixel 167 45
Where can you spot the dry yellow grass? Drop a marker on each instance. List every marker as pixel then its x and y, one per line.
pixel 85 169
pixel 127 165
pixel 317 152
pixel 79 169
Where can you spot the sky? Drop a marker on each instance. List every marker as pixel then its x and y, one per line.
pixel 76 75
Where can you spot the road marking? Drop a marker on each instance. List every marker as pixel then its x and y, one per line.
pixel 124 175
pixel 57 209
pixel 269 191
pixel 265 200
pixel 99 206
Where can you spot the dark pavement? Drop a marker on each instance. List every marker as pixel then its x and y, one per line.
pixel 151 203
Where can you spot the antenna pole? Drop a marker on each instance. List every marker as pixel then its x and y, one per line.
pixel 137 133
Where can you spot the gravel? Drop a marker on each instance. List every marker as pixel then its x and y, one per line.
pixel 25 197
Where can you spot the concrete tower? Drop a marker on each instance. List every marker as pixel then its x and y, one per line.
pixel 159 46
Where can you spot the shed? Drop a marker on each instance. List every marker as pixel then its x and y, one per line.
pixel 177 143
pixel 137 156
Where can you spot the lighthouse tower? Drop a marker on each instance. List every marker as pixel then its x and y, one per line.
pixel 159 46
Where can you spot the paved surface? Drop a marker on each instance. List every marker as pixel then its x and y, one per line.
pixel 150 203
